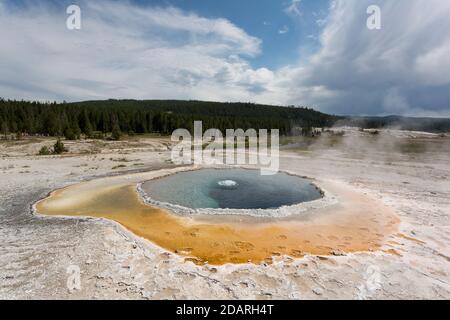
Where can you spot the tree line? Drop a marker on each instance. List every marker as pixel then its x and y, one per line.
pixel 113 117
pixel 437 125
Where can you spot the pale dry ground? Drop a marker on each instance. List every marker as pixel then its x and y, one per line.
pixel 35 252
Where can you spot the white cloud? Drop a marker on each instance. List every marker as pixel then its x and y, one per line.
pixel 293 9
pixel 124 51
pixel 402 68
pixel 321 22
pixel 128 51
pixel 430 64
pixel 283 30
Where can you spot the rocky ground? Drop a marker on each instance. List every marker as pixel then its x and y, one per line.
pixel 410 173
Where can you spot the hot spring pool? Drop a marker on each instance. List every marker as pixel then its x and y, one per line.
pixel 231 189
pixel 239 235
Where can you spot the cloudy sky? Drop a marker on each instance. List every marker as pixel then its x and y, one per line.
pixel 316 53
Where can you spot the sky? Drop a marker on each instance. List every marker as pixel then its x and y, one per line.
pixel 315 53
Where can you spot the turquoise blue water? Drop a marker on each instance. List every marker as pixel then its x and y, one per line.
pixel 231 189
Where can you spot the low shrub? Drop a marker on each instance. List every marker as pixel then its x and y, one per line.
pixel 45 151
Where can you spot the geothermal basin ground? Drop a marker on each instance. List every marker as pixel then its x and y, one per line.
pixel 391 219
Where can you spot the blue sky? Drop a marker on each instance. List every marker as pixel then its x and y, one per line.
pixel 286 35
pixel 316 53
pixel 289 30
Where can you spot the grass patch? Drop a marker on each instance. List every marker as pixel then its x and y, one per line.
pixel 119 166
pixel 120 160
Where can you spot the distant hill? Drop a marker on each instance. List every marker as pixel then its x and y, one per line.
pixel 164 116
pixel 398 122
pixel 144 116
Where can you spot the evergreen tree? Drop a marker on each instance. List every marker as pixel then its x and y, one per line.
pixel 116 133
pixel 5 129
pixel 76 130
pixel 88 131
pixel 59 148
pixel 85 124
pixel 69 134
